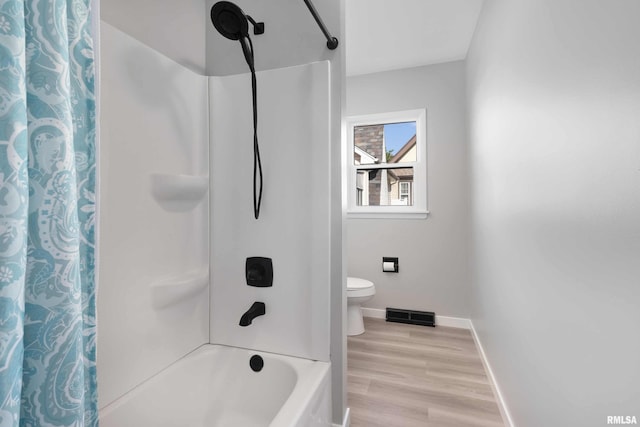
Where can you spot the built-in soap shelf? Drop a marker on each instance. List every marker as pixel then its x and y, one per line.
pixel 176 192
pixel 167 292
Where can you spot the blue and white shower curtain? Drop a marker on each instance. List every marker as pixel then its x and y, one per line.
pixel 47 214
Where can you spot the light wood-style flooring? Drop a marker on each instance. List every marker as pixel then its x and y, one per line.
pixel 408 376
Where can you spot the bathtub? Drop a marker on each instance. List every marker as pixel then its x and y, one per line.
pixel 214 386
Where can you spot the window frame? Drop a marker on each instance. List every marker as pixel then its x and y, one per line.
pixel 418 209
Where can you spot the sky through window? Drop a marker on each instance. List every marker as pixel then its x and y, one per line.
pixel 397 134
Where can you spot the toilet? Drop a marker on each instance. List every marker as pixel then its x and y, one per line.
pixel 358 292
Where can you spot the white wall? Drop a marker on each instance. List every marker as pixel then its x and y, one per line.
pixel 153 120
pixel 294 224
pixel 433 252
pixel 554 102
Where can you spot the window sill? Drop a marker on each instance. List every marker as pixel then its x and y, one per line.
pixel 388 215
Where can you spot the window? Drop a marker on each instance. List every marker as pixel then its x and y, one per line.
pixel 405 193
pixel 387 168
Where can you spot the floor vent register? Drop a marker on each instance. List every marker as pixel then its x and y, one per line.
pixel 413 317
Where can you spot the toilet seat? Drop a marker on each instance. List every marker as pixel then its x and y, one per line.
pixel 357 287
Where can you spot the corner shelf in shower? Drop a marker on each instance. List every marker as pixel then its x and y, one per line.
pixel 176 192
pixel 174 290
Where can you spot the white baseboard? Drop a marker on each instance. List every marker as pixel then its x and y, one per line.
pixel 453 322
pixel 346 421
pixel 374 312
pixel 506 416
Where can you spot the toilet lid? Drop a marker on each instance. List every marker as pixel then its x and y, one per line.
pixel 358 283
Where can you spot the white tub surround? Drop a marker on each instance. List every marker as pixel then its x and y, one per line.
pixel 168 292
pixel 294 225
pixel 153 301
pixel 215 386
pixel 157 130
pixel 179 192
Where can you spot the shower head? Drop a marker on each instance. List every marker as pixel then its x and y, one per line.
pixel 231 22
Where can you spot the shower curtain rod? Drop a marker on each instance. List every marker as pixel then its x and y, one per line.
pixel 332 42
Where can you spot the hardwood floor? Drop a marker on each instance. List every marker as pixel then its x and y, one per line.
pixel 415 376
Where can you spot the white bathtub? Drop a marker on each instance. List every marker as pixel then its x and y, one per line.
pixel 214 386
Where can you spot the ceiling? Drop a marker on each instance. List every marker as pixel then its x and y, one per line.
pixel 386 35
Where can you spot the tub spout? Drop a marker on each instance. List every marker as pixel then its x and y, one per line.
pixel 257 309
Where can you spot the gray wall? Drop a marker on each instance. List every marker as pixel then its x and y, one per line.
pixel 175 29
pixel 291 36
pixel 433 252
pixel 554 107
pixel 182 30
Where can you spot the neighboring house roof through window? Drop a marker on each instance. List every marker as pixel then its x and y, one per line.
pixel 406 148
pixel 364 157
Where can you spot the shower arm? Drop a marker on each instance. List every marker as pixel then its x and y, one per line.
pixel 332 42
pixel 258 27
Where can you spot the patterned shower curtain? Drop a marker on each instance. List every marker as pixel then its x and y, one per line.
pixel 47 214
